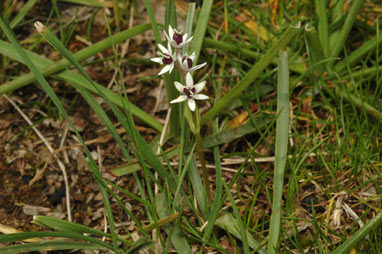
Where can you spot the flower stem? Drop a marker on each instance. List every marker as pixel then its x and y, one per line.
pixel 207 185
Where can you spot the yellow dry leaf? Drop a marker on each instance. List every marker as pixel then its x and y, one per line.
pixel 252 25
pixel 273 4
pixel 9 230
pixel 237 121
pixel 182 6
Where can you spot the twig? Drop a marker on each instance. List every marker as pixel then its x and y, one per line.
pixel 39 174
pixel 157 99
pixel 64 136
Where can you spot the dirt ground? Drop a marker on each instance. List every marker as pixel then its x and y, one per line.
pixel 31 179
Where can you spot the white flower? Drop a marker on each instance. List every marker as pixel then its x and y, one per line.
pixel 166 58
pixel 177 38
pixel 186 62
pixel 190 92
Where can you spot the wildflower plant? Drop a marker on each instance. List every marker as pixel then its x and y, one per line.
pixel 175 56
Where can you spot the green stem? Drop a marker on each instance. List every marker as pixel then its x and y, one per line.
pixel 282 128
pixel 193 119
pixel 349 21
pixel 207 185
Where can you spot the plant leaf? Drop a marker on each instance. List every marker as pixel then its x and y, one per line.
pixel 229 223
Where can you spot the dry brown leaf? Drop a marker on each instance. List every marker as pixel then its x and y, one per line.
pixel 238 120
pixel 251 24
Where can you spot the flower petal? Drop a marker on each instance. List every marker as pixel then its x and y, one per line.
pixel 169 48
pixel 185 37
pixel 191 104
pixel 200 97
pixel 163 49
pixel 157 60
pixel 171 68
pixel 197 67
pixel 193 55
pixel 170 32
pixel 179 58
pixel 199 86
pixel 167 36
pixel 165 69
pixel 183 62
pixel 185 42
pixel 189 80
pixel 179 99
pixel 179 86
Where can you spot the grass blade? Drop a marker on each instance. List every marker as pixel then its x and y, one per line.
pixel 337 13
pixel 322 25
pixel 239 221
pixel 358 102
pixel 21 14
pixel 357 54
pixel 79 56
pixel 77 80
pixel 252 74
pixel 349 21
pixel 230 224
pixel 317 55
pixel 198 187
pixel 181 178
pixel 63 225
pixel 189 23
pixel 298 67
pixel 49 246
pixel 360 234
pixel 282 131
pixel 217 203
pixel 94 3
pixel 68 234
pixel 170 18
pixel 201 27
pixel 153 22
pixel 177 237
pixel 231 134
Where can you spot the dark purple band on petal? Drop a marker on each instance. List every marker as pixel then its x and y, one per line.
pixel 178 38
pixel 187 92
pixel 189 63
pixel 167 59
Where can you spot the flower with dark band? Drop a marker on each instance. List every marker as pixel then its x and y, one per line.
pixel 177 38
pixel 186 62
pixel 166 58
pixel 190 92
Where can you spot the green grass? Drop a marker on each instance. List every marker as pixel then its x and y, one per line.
pixel 329 154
